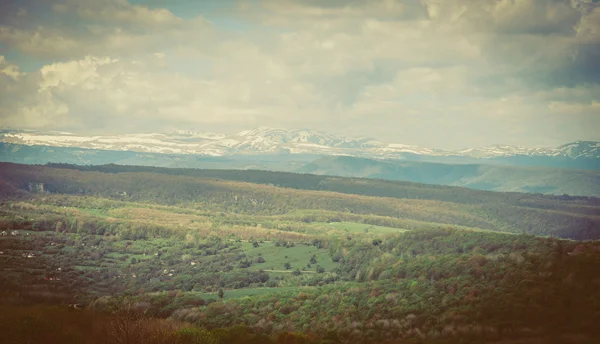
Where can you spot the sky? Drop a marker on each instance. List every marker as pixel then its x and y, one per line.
pixel 447 74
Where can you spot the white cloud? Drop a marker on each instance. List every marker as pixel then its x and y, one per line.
pixel 9 70
pixel 82 73
pixel 435 73
pixel 23 105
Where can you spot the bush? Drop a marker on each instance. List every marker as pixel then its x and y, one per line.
pixel 195 336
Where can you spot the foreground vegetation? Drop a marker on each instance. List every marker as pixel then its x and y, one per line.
pixel 188 259
pixel 43 324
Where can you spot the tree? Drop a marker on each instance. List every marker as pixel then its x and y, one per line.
pixel 287 266
pixel 122 326
pixel 313 259
pixel 221 293
pixel 296 272
pixel 255 244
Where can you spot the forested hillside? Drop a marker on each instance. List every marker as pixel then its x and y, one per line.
pixel 210 256
pixel 275 193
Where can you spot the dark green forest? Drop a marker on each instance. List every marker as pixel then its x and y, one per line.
pixel 125 254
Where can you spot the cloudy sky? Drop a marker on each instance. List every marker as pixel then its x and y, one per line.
pixel 436 73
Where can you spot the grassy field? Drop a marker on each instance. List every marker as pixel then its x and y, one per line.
pixel 354 227
pixel 240 293
pixel 298 256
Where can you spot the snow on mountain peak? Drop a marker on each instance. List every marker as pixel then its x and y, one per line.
pixel 580 149
pixel 197 134
pixel 265 140
pixel 285 136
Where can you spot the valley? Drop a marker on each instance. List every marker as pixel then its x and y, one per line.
pixel 300 172
pixel 342 259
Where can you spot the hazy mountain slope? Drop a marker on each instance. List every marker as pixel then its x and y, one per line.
pixel 484 177
pixel 536 179
pixel 24 154
pixel 494 177
pixel 562 161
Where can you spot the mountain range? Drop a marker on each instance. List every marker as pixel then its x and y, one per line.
pixel 263 140
pixel 559 170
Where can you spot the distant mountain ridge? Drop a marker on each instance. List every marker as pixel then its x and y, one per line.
pixel 492 175
pixel 264 140
pixel 489 177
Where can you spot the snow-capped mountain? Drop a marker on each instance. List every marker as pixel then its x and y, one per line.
pixel 196 134
pixel 159 143
pixel 580 149
pixel 504 150
pixel 264 140
pixel 573 150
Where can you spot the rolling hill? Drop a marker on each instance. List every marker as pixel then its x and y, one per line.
pixel 476 176
pixel 277 193
pixel 228 256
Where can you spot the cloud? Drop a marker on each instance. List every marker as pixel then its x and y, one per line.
pixel 102 93
pixel 22 105
pixel 550 43
pixel 99 27
pixel 9 70
pixel 447 74
pixel 119 12
pixel 344 10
